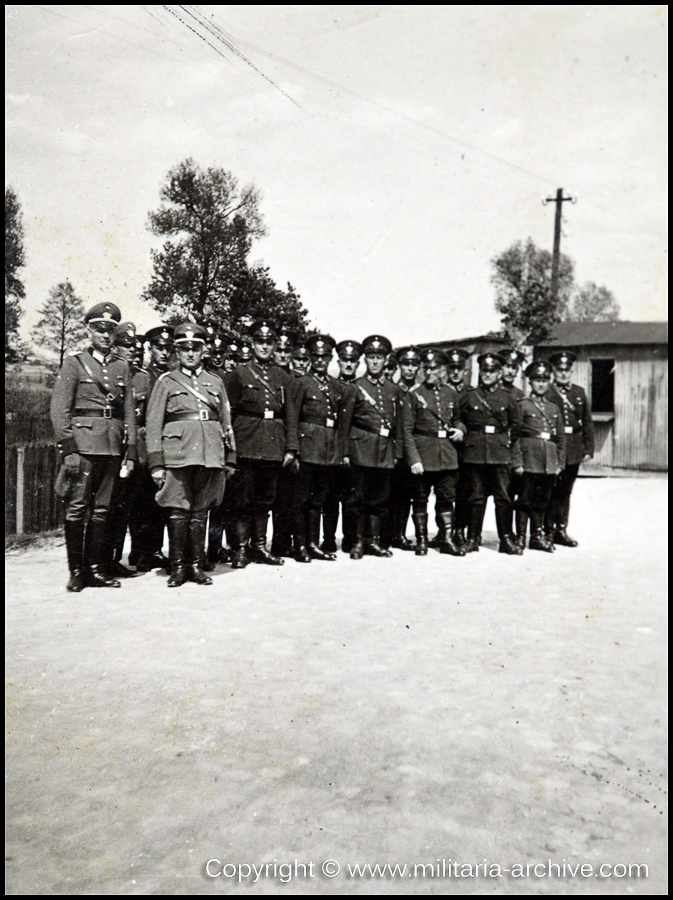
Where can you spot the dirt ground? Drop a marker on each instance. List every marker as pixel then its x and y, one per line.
pixel 464 714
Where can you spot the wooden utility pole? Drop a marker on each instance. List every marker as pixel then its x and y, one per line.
pixel 559 201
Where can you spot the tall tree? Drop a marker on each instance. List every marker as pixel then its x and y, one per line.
pixel 15 259
pixel 256 296
pixel 593 304
pixel 61 325
pixel 210 224
pixel 522 280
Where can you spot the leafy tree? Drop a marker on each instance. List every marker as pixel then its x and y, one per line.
pixel 522 280
pixel 15 259
pixel 256 296
pixel 61 326
pixel 593 304
pixel 210 224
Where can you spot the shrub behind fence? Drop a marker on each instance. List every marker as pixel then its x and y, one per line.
pixel 30 502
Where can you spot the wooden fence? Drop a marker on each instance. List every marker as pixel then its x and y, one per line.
pixel 30 502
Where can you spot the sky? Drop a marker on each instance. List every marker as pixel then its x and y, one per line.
pixel 398 149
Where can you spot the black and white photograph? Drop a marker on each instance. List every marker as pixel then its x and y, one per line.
pixel 336 450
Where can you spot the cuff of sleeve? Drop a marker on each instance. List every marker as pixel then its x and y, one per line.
pixel 68 446
pixel 155 460
pixel 230 458
pixel 132 453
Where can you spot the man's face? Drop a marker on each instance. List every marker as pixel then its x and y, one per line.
pixel 456 374
pixel 139 354
pixel 562 376
pixel 408 371
pixel 539 386
pixel 319 363
pixel 263 347
pixel 433 372
pixel 301 365
pixel 347 366
pixel 281 356
pixel 230 363
pixel 489 377
pixel 160 353
pixel 125 353
pixel 101 334
pixel 190 354
pixel 509 371
pixel 375 363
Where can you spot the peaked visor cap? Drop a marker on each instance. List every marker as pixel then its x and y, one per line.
pixel 512 356
pixel 300 352
pixel 125 335
pixel 431 356
pixel 349 350
pixel 376 343
pixel 564 359
pixel 538 369
pixel 245 352
pixel 408 355
pixel 490 361
pixel 103 312
pixel 457 358
pixel 321 345
pixel 286 339
pixel 263 329
pixel 160 334
pixel 188 331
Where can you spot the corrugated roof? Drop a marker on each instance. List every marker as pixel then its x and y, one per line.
pixel 575 334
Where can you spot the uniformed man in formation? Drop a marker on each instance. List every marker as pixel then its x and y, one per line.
pixel 216 428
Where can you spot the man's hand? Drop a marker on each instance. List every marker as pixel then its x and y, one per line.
pixel 587 457
pixel 417 468
pixel 229 471
pixel 159 476
pixel 288 459
pixel 456 435
pixel 72 462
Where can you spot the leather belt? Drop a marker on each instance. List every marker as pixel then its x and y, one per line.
pixel 488 429
pixel 569 429
pixel 318 420
pixel 256 414
pixel 203 415
pixel 541 435
pixel 105 413
pixel 436 434
pixel 372 429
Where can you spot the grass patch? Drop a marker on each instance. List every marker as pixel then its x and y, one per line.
pixel 19 543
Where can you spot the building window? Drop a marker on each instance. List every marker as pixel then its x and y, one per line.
pixel 603 385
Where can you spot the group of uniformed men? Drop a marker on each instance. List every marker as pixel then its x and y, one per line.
pixel 214 435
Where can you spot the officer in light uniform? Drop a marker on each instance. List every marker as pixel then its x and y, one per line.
pixel 148 520
pixel 432 429
pixel 491 416
pixel 259 394
pixel 578 427
pixel 372 440
pixel 92 408
pixel 188 431
pixel 538 456
pixel 341 488
pixel 317 407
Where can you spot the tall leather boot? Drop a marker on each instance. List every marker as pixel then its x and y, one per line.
pixel 215 532
pixel 240 535
pixel 521 519
pixel 301 553
pixel 348 527
pixel 74 545
pixel 447 544
pixel 550 520
pixel 561 536
pixel 434 542
pixel 196 542
pixel 538 539
pixel 475 522
pixel 178 527
pixel 95 553
pixel 330 518
pixel 421 526
pixel 508 542
pixel 357 550
pixel 373 540
pixel 258 551
pixel 313 528
pixel 400 518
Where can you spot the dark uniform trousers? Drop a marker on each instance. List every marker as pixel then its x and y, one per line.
pixel 340 494
pixel 444 484
pixel 371 490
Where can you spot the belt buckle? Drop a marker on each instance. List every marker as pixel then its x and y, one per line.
pixel 268 414
pixel 329 423
pixel 107 412
pixel 545 435
pixel 441 433
pixel 383 431
pixel 568 429
pixel 489 429
pixel 203 415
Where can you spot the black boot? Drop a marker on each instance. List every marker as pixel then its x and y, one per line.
pixel 434 542
pixel 196 545
pixel 74 545
pixel 421 526
pixel 475 522
pixel 329 527
pixel 446 544
pixel 240 534
pixel 561 536
pixel 258 551
pixel 301 553
pixel 357 550
pixel 215 532
pixel 313 527
pixel 178 527
pixel 400 518
pixel 373 541
pixel 538 541
pixel 508 542
pixel 349 528
pixel 95 555
pixel 521 527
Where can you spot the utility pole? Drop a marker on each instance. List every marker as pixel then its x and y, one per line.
pixel 559 201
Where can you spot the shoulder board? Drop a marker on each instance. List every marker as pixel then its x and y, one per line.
pixel 163 375
pixel 415 387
